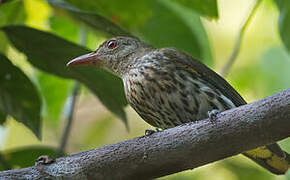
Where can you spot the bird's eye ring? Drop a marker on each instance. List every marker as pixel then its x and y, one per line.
pixel 112 44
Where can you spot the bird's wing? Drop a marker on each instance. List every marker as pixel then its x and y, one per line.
pixel 206 73
pixel 277 160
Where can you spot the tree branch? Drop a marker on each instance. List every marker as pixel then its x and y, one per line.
pixel 176 149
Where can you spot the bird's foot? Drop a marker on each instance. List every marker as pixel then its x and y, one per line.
pixel 212 115
pixel 149 132
pixel 44 160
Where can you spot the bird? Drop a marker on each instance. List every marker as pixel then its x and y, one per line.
pixel 168 87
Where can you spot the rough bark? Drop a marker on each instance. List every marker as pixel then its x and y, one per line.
pixel 177 149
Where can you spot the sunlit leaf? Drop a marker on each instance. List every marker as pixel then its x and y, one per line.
pixel 92 19
pixel 285 145
pixel 175 26
pixel 284 21
pixel 203 7
pixel 24 157
pixel 18 96
pixel 51 53
pixel 37 12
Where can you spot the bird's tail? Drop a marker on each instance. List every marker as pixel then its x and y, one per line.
pixel 271 157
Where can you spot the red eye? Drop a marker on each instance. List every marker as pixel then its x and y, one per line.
pixel 111 44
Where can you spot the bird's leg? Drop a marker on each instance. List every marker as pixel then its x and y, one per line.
pixel 212 115
pixel 149 132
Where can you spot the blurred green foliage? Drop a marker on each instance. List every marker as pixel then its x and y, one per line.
pixel 206 8
pixel 174 20
pixel 284 19
pixel 12 13
pixel 43 85
pixel 53 100
pixel 23 107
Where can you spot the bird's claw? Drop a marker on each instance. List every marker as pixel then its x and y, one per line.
pixel 212 115
pixel 149 132
pixel 44 160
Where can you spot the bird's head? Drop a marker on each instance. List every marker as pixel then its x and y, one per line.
pixel 116 55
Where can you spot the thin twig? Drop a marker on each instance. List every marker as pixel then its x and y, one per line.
pixel 237 47
pixel 68 124
pixel 76 88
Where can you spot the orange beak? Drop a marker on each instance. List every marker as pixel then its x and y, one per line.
pixel 87 59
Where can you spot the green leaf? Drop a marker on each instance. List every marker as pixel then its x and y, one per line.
pixel 284 21
pixel 24 157
pixel 176 26
pixel 128 13
pixel 203 7
pixel 285 144
pixel 64 27
pixel 53 100
pixel 51 53
pixel 12 13
pixel 91 19
pixel 2 117
pixel 19 97
pixel 3 43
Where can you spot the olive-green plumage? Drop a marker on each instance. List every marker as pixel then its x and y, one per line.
pixel 168 87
